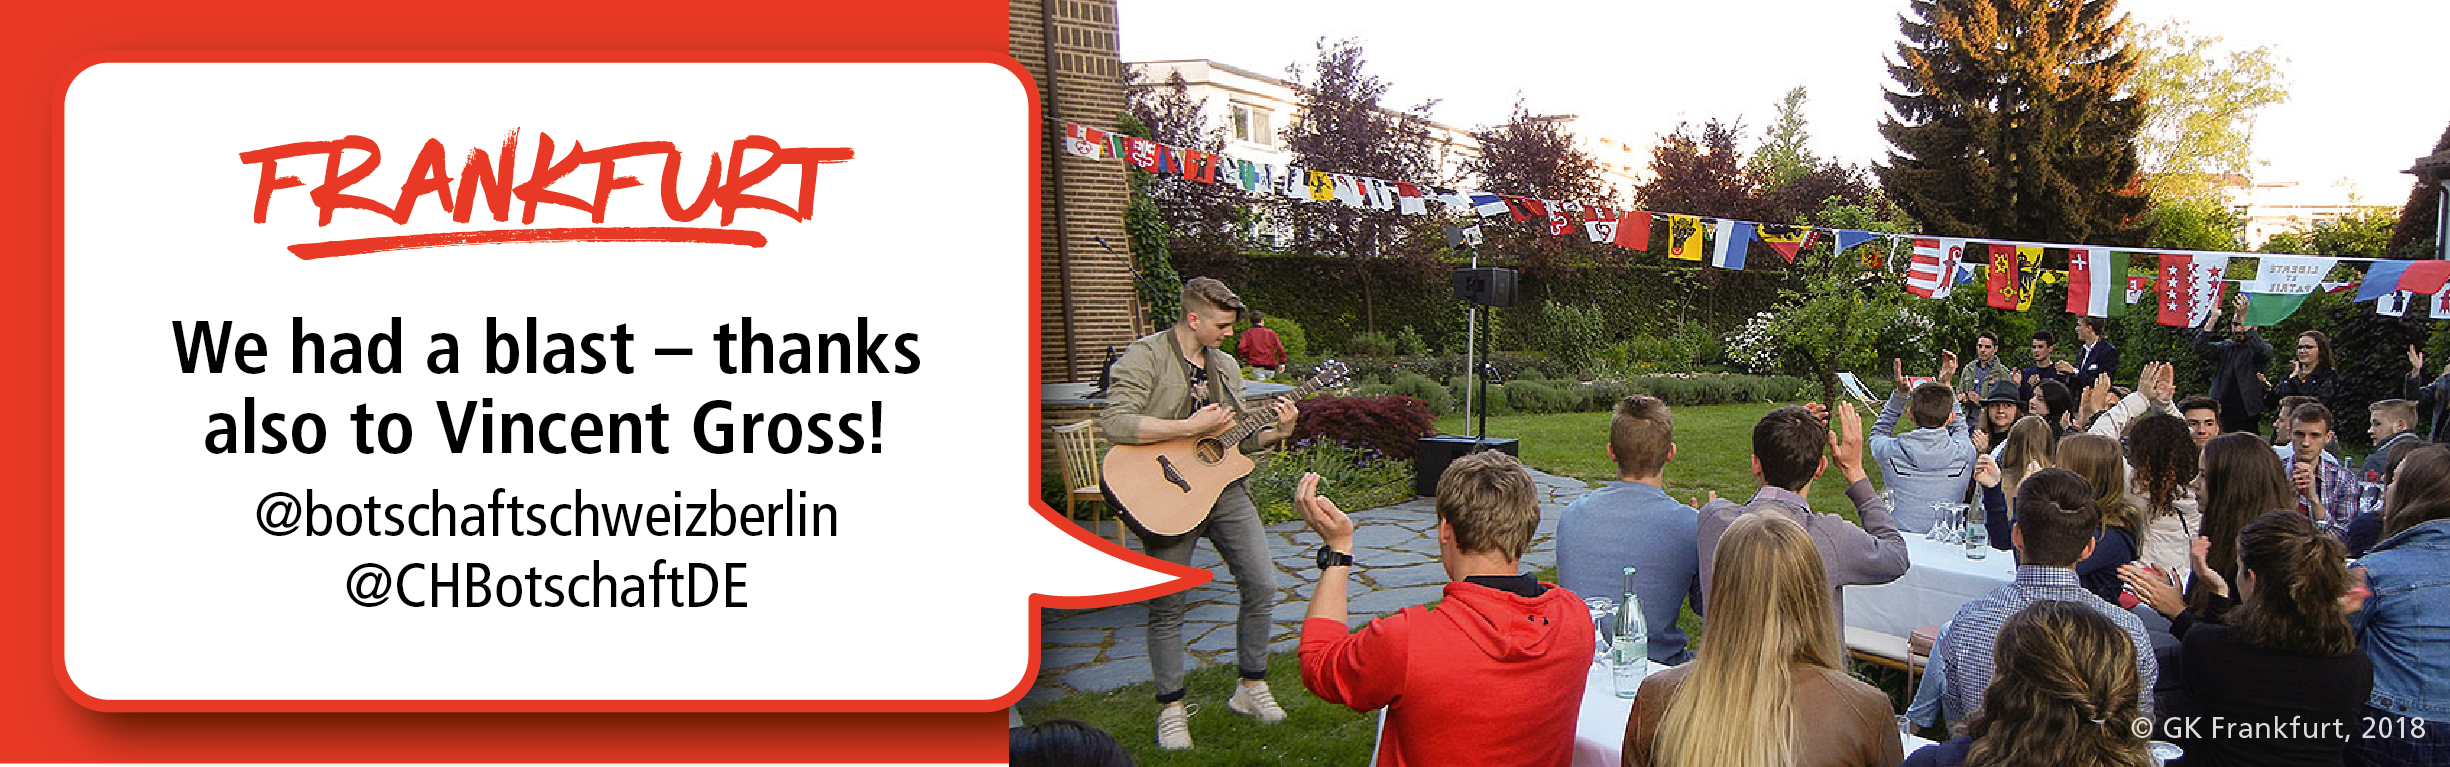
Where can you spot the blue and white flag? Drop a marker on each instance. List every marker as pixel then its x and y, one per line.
pixel 1734 238
pixel 1847 238
pixel 1487 204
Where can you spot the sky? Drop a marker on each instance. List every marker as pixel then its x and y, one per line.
pixel 2365 99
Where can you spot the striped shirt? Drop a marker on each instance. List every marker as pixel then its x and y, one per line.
pixel 1967 646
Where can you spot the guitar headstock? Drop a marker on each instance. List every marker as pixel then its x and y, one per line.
pixel 1330 373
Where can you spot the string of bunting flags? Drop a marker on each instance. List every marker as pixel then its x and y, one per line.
pixel 2184 287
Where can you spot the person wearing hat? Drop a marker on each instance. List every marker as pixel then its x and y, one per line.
pixel 1998 411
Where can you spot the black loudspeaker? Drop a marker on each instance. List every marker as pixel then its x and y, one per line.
pixel 1429 463
pixel 1486 286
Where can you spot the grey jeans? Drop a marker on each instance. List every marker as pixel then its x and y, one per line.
pixel 1234 527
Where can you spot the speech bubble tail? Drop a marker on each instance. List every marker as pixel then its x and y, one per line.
pixel 1068 575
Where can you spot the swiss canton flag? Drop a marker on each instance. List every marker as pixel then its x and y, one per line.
pixel 2190 288
pixel 1786 240
pixel 1933 270
pixel 1925 276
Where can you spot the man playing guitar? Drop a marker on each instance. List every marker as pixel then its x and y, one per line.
pixel 1173 384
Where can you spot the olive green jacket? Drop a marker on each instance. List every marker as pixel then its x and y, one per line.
pixel 1150 382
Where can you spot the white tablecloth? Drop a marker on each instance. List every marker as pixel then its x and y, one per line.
pixel 1599 730
pixel 1940 580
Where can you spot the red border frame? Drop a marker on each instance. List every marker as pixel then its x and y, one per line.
pixel 1184 577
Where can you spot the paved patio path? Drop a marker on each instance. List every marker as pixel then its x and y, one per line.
pixel 1105 648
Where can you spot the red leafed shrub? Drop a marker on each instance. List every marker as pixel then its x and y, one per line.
pixel 1390 425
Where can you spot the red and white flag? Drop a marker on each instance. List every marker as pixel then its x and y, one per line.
pixel 1933 270
pixel 2190 288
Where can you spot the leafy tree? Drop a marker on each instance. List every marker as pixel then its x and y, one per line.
pixel 1342 129
pixel 2012 121
pixel 1699 173
pixel 1206 223
pixel 2199 113
pixel 1834 312
pixel 1535 156
pixel 2193 223
pixel 2415 237
pixel 1783 156
pixel 2361 233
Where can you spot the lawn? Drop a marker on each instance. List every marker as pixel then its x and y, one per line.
pixel 1713 450
pixel 1714 445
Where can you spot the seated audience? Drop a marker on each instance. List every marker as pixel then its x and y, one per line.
pixel 1929 465
pixel 1632 522
pixel 1769 687
pixel 2063 694
pixel 2405 626
pixel 2286 654
pixel 2240 485
pixel 2057 518
pixel 1786 458
pixel 1494 674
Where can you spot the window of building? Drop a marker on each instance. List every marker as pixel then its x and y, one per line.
pixel 1251 124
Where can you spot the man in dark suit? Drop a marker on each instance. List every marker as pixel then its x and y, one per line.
pixel 2237 368
pixel 2098 358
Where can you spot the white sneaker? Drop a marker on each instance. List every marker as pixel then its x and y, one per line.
pixel 1174 727
pixel 1254 701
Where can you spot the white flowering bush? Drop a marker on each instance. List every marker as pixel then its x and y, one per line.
pixel 1754 348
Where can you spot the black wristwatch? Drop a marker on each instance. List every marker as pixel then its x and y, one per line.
pixel 1332 558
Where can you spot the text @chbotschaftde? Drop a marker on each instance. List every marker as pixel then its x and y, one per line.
pixel 716 426
pixel 524 346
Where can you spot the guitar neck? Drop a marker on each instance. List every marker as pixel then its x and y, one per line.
pixel 1250 423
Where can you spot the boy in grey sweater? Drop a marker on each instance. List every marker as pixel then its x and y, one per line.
pixel 1932 464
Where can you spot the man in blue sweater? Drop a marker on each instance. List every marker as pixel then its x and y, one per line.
pixel 1632 521
pixel 1930 464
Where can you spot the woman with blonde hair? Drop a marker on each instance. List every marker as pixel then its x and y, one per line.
pixel 2064 694
pixel 2097 459
pixel 1773 656
pixel 2030 447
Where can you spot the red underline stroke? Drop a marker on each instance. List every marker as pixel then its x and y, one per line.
pixel 314 250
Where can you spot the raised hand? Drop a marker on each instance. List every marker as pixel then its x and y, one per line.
pixel 1986 471
pixel 2415 360
pixel 2198 551
pixel 1948 366
pixel 2162 384
pixel 1982 441
pixel 1846 442
pixel 1899 366
pixel 2154 588
pixel 1333 526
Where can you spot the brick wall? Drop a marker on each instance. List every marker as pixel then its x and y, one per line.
pixel 1087 88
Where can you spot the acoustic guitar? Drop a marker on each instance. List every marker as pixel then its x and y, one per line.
pixel 1167 488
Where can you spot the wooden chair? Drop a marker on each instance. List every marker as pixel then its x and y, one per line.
pixel 1076 453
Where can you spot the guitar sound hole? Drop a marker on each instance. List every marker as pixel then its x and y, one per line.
pixel 1211 451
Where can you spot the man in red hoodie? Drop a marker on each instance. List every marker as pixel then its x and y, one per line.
pixel 1492 676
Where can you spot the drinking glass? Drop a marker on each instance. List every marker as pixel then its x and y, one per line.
pixel 1603 613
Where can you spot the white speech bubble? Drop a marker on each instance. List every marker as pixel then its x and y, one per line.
pixel 174 590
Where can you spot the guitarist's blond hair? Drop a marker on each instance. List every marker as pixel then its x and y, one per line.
pixel 1206 294
pixel 1487 501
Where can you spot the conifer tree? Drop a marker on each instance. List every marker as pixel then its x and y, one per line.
pixel 2014 119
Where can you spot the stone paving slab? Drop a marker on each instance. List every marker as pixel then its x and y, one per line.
pixel 1397 545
